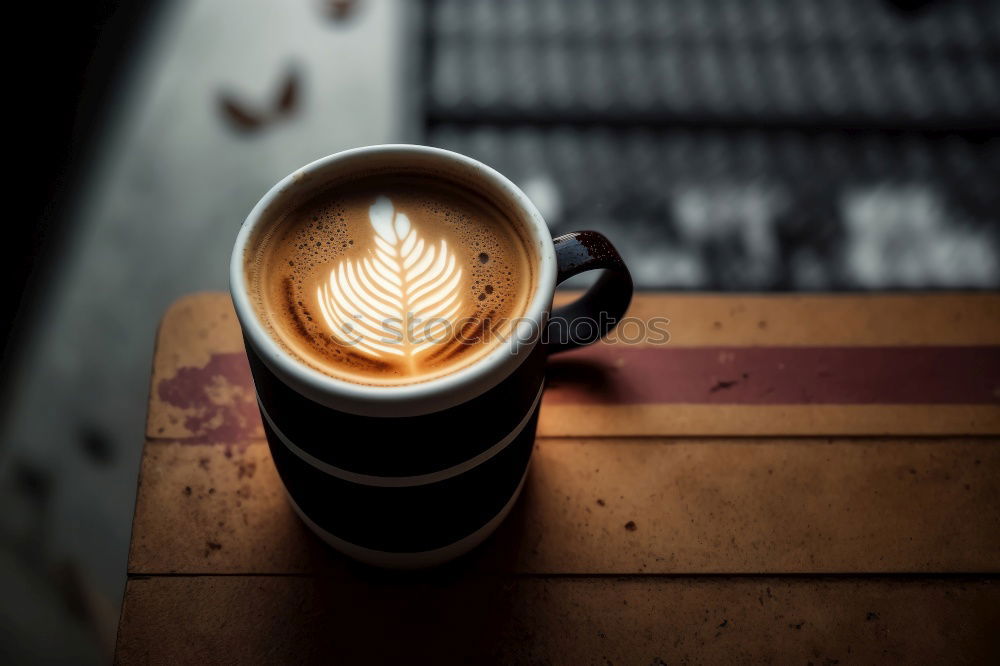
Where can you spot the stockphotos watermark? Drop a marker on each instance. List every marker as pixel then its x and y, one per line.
pixel 473 330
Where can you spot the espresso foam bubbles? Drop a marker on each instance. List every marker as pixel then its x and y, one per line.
pixel 390 279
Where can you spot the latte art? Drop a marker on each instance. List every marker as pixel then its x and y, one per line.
pixel 391 279
pixel 402 299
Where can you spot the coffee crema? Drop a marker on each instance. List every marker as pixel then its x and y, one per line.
pixel 390 279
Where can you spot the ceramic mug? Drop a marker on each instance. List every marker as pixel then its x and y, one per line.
pixel 415 475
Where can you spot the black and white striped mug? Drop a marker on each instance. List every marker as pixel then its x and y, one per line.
pixel 415 475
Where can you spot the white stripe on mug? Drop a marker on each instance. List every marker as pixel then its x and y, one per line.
pixel 403 481
pixel 418 560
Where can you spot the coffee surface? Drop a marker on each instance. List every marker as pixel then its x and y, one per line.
pixel 390 279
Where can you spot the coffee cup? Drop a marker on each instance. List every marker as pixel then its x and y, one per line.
pixel 393 467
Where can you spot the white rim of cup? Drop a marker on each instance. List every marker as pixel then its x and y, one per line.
pixel 405 400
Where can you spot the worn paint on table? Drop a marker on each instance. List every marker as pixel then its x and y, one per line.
pixel 719 522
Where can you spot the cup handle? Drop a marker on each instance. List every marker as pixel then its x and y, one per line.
pixel 587 319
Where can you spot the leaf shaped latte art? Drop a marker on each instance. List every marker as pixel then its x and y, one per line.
pixel 401 299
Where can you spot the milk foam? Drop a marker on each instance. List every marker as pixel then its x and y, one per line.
pixel 392 280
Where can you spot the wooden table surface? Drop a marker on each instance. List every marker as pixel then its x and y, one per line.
pixel 809 479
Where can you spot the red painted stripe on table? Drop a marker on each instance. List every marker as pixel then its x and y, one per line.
pixel 216 400
pixel 605 374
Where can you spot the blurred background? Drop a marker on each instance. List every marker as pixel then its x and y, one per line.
pixel 789 145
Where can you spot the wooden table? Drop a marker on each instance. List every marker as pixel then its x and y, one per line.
pixel 809 479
